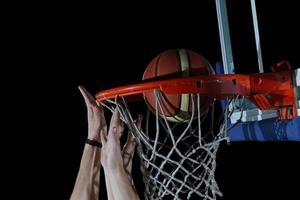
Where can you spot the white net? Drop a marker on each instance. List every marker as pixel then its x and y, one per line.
pixel 178 160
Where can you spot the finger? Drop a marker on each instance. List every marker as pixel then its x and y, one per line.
pixel 116 124
pixel 128 152
pixel 100 112
pixel 88 98
pixel 130 143
pixel 87 94
pixel 139 121
pixel 129 147
pixel 114 139
pixel 103 120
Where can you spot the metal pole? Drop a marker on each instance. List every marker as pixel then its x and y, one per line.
pixel 257 39
pixel 224 37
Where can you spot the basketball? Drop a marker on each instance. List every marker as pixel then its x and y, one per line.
pixel 177 63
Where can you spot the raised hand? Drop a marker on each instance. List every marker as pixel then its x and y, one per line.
pixel 96 120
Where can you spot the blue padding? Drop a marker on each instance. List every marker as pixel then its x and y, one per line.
pixel 267 130
pixel 219 68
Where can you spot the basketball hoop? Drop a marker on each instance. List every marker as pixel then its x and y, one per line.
pixel 179 159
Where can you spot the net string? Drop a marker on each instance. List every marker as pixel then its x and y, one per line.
pixel 193 169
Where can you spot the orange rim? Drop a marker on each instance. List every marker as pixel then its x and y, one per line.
pixel 219 86
pixel 266 90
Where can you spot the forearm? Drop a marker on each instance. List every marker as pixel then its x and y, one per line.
pixel 110 195
pixel 121 186
pixel 88 178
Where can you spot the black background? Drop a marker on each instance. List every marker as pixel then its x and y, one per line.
pixel 102 46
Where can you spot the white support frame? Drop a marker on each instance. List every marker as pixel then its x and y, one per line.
pixel 297 89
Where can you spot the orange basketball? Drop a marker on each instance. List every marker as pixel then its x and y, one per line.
pixel 171 64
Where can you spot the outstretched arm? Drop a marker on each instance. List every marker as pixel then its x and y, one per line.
pixel 88 179
pixel 113 163
pixel 127 156
pixel 87 182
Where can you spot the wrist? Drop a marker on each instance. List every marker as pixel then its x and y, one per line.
pixel 93 136
pixel 94 143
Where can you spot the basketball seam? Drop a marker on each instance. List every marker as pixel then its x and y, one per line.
pixel 156 66
pixel 155 75
pixel 177 116
pixel 164 98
